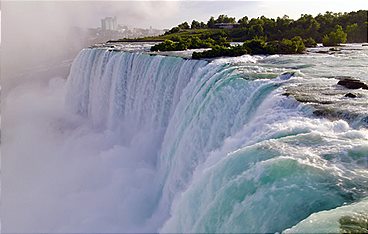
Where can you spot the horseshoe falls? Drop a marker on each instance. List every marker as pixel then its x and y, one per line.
pixel 154 143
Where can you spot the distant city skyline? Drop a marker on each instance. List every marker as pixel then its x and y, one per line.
pixel 164 15
pixel 51 24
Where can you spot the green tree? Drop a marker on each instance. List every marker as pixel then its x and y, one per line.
pixel 310 42
pixel 255 31
pixel 255 46
pixel 243 21
pixel 225 19
pixel 173 30
pixel 195 24
pixel 211 22
pixel 307 26
pixel 298 44
pixel 353 32
pixel 335 38
pixel 184 25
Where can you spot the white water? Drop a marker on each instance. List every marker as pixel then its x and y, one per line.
pixel 154 143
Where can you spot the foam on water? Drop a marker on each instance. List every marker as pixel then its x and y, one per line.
pixel 191 146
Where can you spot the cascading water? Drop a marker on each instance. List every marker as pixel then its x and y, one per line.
pixel 218 153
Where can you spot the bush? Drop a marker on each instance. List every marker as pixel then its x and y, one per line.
pixel 255 46
pixel 298 45
pixel 293 46
pixel 178 43
pixel 310 42
pixel 173 30
pixel 169 45
pixel 335 38
pixel 196 43
pixel 220 51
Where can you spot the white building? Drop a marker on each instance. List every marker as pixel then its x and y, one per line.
pixel 109 23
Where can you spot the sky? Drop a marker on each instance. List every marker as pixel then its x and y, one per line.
pixel 45 28
pixel 35 33
pixel 166 14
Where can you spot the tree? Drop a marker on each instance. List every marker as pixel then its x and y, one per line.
pixel 243 21
pixel 335 38
pixel 255 31
pixel 173 30
pixel 298 44
pixel 225 19
pixel 310 42
pixel 184 25
pixel 195 24
pixel 353 32
pixel 211 22
pixel 255 46
pixel 307 26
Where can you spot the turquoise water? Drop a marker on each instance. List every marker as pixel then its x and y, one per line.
pixel 133 142
pixel 229 152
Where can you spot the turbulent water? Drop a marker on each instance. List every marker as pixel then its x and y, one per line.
pixel 152 143
pixel 217 147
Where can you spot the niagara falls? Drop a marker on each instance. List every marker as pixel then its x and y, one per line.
pixel 203 123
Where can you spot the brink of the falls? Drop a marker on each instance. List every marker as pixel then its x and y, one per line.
pixel 133 142
pixel 225 154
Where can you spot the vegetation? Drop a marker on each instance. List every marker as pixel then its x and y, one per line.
pixel 189 43
pixel 309 42
pixel 263 35
pixel 353 23
pixel 307 26
pixel 255 46
pixel 335 38
pixel 218 51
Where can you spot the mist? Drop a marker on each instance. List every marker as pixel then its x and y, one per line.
pixel 60 174
pixel 43 35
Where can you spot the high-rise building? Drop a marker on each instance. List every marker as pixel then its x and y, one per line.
pixel 109 23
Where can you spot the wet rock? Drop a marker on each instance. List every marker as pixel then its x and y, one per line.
pixel 352 83
pixel 322 51
pixel 287 75
pixel 350 95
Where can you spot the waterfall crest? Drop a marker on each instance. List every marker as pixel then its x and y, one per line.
pixel 228 154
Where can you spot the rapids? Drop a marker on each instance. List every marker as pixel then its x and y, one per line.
pixel 228 152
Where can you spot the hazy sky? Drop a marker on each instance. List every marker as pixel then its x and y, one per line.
pixel 165 14
pixel 34 31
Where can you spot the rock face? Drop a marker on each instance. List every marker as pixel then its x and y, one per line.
pixel 352 83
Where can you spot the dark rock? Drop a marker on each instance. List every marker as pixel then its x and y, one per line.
pixel 350 95
pixel 352 83
pixel 322 52
pixel 286 94
pixel 287 75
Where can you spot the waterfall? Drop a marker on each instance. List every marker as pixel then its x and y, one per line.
pixel 228 154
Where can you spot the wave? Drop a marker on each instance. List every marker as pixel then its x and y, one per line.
pixel 226 154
